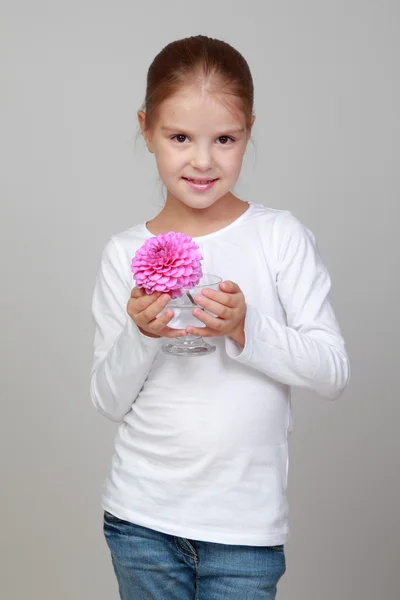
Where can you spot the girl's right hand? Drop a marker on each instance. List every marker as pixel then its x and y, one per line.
pixel 143 310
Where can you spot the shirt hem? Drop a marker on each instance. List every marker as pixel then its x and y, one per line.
pixel 186 532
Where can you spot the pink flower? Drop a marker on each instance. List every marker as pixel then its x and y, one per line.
pixel 167 262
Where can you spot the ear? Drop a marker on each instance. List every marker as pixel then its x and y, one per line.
pixel 142 122
pixel 253 118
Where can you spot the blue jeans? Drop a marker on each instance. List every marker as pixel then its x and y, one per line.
pixel 150 565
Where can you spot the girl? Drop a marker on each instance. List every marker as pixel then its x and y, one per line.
pixel 195 503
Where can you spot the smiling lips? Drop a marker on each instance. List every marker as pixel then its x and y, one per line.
pixel 200 185
pixel 199 181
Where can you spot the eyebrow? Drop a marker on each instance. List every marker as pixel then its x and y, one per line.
pixel 228 129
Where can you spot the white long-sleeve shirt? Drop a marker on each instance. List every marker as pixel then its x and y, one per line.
pixel 202 447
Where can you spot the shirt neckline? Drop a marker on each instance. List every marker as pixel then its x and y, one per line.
pixel 242 217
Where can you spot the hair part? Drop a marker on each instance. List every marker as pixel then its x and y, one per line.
pixel 210 64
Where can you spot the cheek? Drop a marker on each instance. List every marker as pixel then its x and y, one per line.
pixel 233 163
pixel 165 163
pixel 168 161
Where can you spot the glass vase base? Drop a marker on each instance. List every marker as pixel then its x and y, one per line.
pixel 190 345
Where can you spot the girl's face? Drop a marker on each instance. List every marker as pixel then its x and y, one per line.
pixel 196 137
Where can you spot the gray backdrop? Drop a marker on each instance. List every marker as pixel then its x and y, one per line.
pixel 327 148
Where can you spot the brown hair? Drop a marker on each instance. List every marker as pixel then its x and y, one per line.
pixel 195 60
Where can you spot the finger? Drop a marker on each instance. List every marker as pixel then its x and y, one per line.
pixel 173 333
pixel 230 300
pixel 137 292
pixel 142 300
pixel 213 322
pixel 155 324
pixel 217 308
pixel 159 326
pixel 150 309
pixel 203 331
pixel 230 286
pixel 163 330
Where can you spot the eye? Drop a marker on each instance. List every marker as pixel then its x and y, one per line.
pixel 177 136
pixel 226 137
pixel 180 138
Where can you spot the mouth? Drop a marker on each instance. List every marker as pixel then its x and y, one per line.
pixel 197 181
pixel 200 185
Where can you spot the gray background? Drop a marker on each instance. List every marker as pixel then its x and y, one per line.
pixel 326 147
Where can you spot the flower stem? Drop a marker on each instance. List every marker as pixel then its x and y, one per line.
pixel 190 298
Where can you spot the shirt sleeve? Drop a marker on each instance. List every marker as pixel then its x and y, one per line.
pixel 122 355
pixel 308 351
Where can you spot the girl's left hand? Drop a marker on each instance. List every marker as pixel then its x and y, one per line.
pixel 229 305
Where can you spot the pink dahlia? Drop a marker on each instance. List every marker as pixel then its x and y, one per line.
pixel 167 262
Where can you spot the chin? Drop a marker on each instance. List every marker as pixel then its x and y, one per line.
pixel 200 203
pixel 200 200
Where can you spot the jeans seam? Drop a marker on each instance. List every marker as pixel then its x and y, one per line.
pixel 191 548
pixel 196 589
pixel 182 552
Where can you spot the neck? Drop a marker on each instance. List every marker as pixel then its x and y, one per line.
pixel 176 216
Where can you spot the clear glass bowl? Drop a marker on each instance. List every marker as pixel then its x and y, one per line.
pixel 189 345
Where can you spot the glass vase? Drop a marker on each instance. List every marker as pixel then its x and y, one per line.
pixel 189 345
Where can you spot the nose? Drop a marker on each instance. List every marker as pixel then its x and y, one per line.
pixel 202 159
